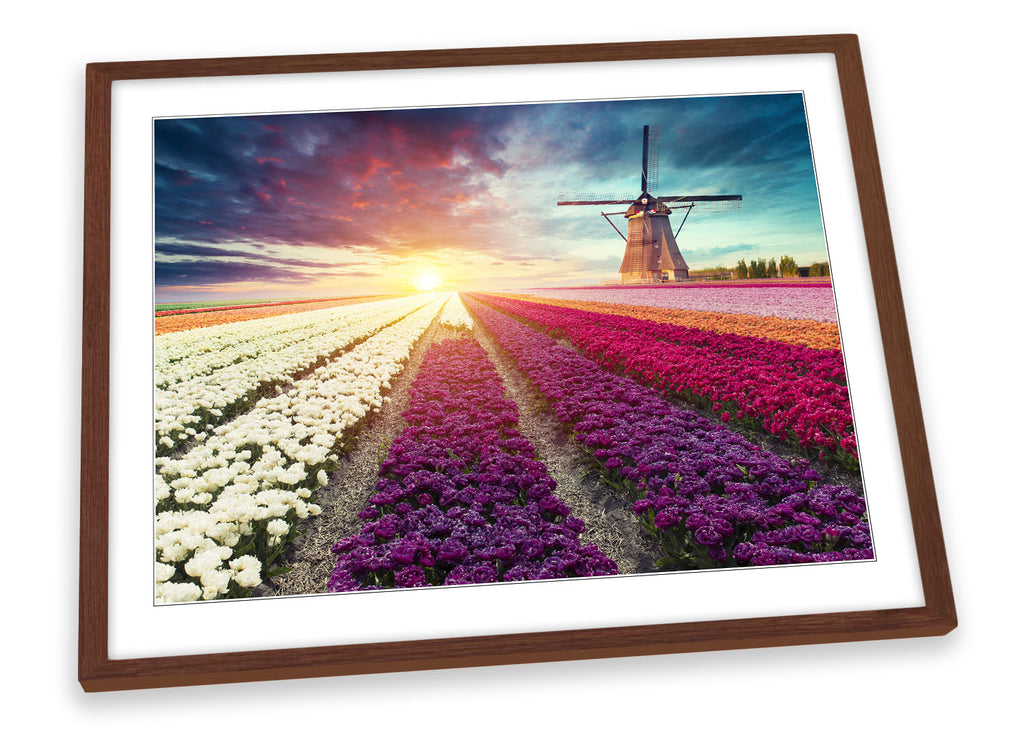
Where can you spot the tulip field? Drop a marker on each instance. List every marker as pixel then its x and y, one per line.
pixel 710 423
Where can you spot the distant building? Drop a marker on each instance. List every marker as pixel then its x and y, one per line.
pixel 651 250
pixel 652 254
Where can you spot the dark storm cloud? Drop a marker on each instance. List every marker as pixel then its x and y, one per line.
pixel 200 273
pixel 211 252
pixel 697 134
pixel 328 182
pixel 753 145
pixel 740 131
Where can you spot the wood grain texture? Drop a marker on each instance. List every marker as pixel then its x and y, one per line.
pixel 97 672
pixel 931 550
pixel 568 53
pixel 92 585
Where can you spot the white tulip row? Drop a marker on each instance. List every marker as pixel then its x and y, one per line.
pixel 185 354
pixel 189 407
pixel 240 493
pixel 186 344
pixel 454 314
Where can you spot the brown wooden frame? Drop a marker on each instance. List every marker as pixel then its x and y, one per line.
pixel 97 672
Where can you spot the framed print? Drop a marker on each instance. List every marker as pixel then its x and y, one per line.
pixel 434 359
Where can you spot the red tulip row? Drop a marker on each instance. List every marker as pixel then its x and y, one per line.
pixel 795 393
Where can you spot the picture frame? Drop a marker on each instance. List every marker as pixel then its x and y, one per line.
pixel 99 671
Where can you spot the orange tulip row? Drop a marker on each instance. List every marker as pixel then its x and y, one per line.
pixel 810 333
pixel 176 323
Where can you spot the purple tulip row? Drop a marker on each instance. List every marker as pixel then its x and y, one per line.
pixel 709 496
pixel 460 498
pixel 792 391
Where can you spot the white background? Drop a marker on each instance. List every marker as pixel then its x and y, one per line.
pixel 942 89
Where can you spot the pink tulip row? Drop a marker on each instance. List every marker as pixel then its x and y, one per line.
pixel 810 302
pixel 803 283
pixel 795 393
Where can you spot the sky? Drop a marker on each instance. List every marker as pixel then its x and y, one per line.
pixel 307 205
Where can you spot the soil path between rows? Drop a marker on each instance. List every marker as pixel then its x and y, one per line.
pixel 606 513
pixel 350 486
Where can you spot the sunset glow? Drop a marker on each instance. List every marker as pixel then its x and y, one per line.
pixel 313 205
pixel 427 281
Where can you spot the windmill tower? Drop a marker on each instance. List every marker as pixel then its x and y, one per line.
pixel 652 254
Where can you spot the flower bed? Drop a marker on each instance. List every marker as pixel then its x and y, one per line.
pixel 201 378
pixel 771 298
pixel 791 391
pixel 164 322
pixel 227 508
pixel 810 333
pixel 710 497
pixel 180 356
pixel 813 282
pixel 199 307
pixel 460 497
pixel 454 315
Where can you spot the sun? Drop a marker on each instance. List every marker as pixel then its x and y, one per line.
pixel 427 281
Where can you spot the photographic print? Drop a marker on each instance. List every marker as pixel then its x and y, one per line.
pixel 582 351
pixel 504 343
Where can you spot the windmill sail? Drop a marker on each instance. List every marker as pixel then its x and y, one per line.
pixel 651 158
pixel 652 254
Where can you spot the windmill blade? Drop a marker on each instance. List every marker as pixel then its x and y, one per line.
pixel 653 158
pixel 701 198
pixel 705 203
pixel 596 202
pixel 643 160
pixel 650 158
pixel 587 198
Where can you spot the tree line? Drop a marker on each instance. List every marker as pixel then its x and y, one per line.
pixel 786 266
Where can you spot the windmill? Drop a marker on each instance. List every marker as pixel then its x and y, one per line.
pixel 652 254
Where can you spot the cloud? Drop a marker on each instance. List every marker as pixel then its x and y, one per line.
pixel 211 272
pixel 164 250
pixel 298 190
pixel 303 179
pixel 721 254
